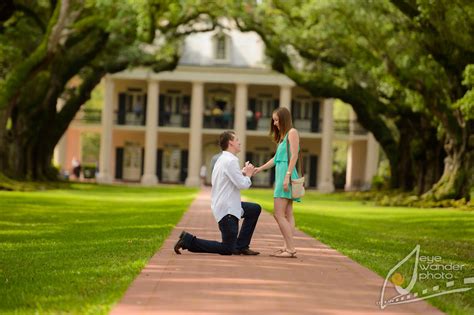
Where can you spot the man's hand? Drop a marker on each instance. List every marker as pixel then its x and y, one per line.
pixel 248 169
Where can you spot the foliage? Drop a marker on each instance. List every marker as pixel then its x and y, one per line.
pixel 62 49
pixel 396 62
pixel 394 198
pixel 466 103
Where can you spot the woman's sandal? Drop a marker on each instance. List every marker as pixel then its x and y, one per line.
pixel 277 252
pixel 286 254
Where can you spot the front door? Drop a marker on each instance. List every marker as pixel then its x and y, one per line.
pixel 132 161
pixel 171 165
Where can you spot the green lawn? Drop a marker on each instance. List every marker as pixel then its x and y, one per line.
pixel 77 250
pixel 380 237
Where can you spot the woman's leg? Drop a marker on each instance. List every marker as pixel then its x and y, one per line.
pixel 291 219
pixel 289 215
pixel 280 205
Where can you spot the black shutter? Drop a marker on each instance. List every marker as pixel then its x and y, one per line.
pixel 122 109
pixel 161 110
pixel 187 100
pixel 184 165
pixel 252 122
pixel 159 163
pixel 293 111
pixel 276 104
pixel 186 115
pixel 253 105
pixel 249 157
pixel 118 163
pixel 143 161
pixel 313 170
pixel 315 117
pixel 144 110
pixel 272 173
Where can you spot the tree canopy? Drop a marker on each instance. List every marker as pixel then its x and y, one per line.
pixel 400 65
pixel 405 66
pixel 62 49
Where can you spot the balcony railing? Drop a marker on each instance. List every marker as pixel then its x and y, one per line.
pixel 341 126
pixel 168 119
pixel 224 121
pixel 130 118
pixel 303 125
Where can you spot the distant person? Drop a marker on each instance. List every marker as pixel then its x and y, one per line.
pixel 138 110
pixel 217 115
pixel 203 174
pixel 227 181
pixel 76 167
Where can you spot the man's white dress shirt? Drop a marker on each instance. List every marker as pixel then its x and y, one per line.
pixel 227 181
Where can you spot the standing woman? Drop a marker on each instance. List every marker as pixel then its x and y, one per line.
pixel 282 132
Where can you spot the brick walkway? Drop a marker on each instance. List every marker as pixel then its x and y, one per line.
pixel 319 281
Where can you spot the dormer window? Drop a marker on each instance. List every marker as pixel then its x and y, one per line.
pixel 221 44
pixel 220 47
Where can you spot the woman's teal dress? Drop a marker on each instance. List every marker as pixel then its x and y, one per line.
pixel 281 167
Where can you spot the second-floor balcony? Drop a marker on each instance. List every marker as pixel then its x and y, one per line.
pixel 130 118
pixel 264 123
pixel 219 120
pixel 170 119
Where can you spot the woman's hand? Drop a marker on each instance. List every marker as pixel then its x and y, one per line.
pixel 257 170
pixel 286 183
pixel 249 169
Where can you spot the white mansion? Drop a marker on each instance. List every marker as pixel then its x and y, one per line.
pixel 162 127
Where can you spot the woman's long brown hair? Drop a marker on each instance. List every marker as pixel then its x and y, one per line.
pixel 284 120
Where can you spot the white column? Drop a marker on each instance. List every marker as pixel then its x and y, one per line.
pixel 348 186
pixel 352 121
pixel 106 147
pixel 285 96
pixel 371 160
pixel 149 177
pixel 240 121
pixel 325 182
pixel 349 167
pixel 195 135
pixel 60 151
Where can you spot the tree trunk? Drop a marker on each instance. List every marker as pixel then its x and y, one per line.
pixel 421 153
pixel 428 161
pixel 23 159
pixel 404 169
pixel 457 178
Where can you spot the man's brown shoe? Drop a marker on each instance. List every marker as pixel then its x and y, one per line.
pixel 246 251
pixel 180 243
